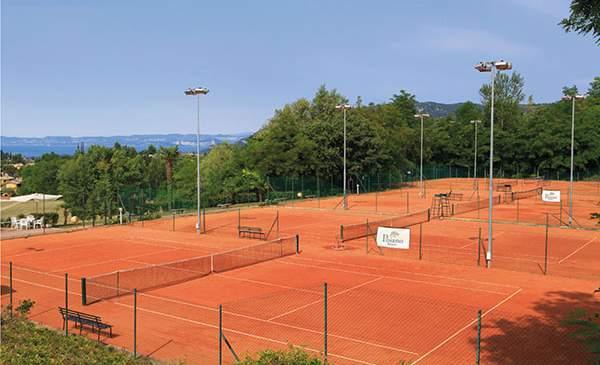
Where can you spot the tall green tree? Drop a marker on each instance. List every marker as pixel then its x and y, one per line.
pixel 42 176
pixel 584 18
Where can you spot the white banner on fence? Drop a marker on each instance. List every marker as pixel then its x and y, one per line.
pixel 393 237
pixel 551 196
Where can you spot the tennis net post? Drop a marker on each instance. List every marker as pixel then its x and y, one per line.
pixel 83 292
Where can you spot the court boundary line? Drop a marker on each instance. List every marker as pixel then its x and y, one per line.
pixel 277 323
pixel 329 297
pixel 113 260
pixel 237 331
pixel 395 278
pixel 467 326
pixel 400 271
pixel 269 284
pixel 577 250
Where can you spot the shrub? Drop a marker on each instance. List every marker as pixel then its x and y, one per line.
pixel 25 343
pixel 49 218
pixel 292 356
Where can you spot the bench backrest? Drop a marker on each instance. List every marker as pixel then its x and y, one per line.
pixel 72 313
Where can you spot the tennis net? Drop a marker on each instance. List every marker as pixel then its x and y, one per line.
pixel 123 282
pixel 465 207
pixel 518 195
pixel 350 232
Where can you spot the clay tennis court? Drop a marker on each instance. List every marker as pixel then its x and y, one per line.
pixel 384 306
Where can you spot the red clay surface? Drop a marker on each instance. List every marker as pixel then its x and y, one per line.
pixel 384 306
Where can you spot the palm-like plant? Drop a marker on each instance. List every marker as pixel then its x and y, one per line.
pixel 169 155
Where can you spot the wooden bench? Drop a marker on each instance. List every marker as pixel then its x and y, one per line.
pixel 84 319
pixel 177 211
pixel 224 206
pixel 251 232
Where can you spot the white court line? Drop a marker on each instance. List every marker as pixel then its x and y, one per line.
pixel 55 249
pixel 208 325
pixel 321 300
pixel 269 284
pixel 577 250
pixel 469 244
pixel 113 260
pixel 465 327
pixel 394 278
pixel 17 267
pixel 281 324
pixel 404 272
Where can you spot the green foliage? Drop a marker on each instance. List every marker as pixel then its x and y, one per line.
pixel 584 18
pixel 42 176
pixel 24 307
pixel 293 356
pixel 586 329
pixel 594 90
pixel 23 343
pixel 49 218
pixel 303 143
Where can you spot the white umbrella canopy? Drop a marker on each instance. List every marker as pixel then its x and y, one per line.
pixel 35 196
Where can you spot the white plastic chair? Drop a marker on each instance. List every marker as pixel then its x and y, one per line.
pixel 13 222
pixel 38 223
pixel 22 223
pixel 30 221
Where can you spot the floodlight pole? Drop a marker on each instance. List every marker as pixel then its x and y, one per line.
pixel 572 98
pixel 421 116
pixel 475 184
pixel 493 67
pixel 197 92
pixel 491 190
pixel 198 164
pixel 345 198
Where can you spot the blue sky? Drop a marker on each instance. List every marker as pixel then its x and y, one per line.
pixel 120 67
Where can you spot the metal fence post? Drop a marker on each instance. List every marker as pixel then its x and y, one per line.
pixel 560 223
pixel 134 323
pixel 546 248
pixel 67 303
pixel 325 323
pixel 10 287
pixel 173 214
pixel 407 203
pixel 420 241
pixel 367 236
pixel 479 247
pixel 220 334
pixel 83 292
pixel 478 340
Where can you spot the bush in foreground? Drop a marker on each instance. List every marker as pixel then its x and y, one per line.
pixel 25 343
pixel 293 356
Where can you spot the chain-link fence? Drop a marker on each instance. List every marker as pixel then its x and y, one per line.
pixel 364 319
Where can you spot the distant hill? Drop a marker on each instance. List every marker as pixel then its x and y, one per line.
pixel 64 145
pixel 437 110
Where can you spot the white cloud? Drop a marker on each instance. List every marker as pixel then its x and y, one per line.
pixel 477 41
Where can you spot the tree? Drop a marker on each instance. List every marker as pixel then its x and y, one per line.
pixel 584 18
pixel 169 155
pixel 508 94
pixel 594 90
pixel 570 91
pixel 42 176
